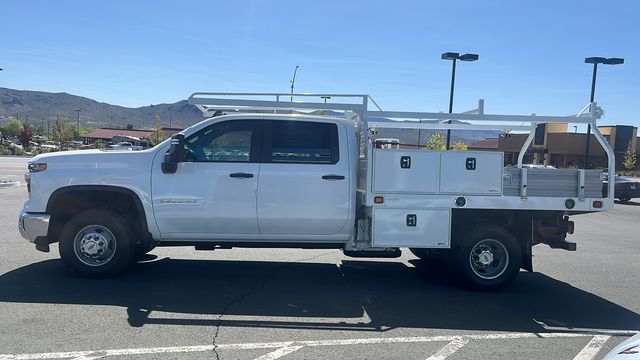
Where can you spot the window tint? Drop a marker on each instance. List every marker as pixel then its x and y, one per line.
pixel 304 142
pixel 228 141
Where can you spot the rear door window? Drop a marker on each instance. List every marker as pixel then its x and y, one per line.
pixel 302 142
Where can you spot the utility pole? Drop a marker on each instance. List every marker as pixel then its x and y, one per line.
pixel 293 81
pixel 26 120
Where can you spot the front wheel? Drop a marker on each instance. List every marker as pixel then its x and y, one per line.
pixel 96 243
pixel 487 259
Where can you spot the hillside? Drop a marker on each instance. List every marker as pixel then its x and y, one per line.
pixel 43 106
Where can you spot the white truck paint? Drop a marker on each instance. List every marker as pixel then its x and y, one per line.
pixel 290 179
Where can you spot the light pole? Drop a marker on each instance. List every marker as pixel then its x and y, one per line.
pixel 26 119
pixel 78 120
pixel 454 57
pixel 293 81
pixel 595 61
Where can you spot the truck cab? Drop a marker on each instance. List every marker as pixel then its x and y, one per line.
pixel 259 178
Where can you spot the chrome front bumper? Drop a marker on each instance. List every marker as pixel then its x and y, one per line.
pixel 33 226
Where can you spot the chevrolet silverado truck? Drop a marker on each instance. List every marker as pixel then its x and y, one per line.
pixel 307 174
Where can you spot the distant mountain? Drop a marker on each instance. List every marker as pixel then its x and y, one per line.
pixel 43 106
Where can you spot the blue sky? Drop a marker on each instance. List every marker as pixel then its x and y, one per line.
pixel 136 53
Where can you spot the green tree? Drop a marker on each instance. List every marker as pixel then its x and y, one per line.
pixel 11 127
pixel 460 146
pixel 436 142
pixel 98 144
pixel 61 132
pixel 158 136
pixel 629 161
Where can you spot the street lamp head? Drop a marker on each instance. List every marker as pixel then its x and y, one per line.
pixel 595 60
pixel 450 56
pixel 606 61
pixel 614 61
pixel 469 57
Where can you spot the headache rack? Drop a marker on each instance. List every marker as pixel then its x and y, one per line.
pixel 356 106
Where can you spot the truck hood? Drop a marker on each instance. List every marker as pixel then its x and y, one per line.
pixel 90 155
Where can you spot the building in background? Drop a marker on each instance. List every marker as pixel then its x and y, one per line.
pixel 554 145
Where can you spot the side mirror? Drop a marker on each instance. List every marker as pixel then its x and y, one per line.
pixel 174 155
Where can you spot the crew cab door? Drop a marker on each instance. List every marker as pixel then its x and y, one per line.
pixel 304 181
pixel 213 191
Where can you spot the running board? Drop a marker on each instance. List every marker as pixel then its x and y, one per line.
pixel 394 253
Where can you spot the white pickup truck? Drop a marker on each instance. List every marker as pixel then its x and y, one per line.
pixel 272 173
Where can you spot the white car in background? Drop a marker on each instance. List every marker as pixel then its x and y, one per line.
pixel 125 145
pixel 627 350
pixel 50 145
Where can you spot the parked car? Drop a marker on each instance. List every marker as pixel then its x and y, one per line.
pixel 125 145
pixel 538 166
pixel 627 350
pixel 50 145
pixel 626 189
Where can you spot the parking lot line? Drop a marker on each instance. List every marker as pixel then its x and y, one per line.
pixel 278 353
pixel 592 348
pixel 449 349
pixel 597 338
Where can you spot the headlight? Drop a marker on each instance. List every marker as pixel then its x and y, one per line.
pixel 37 167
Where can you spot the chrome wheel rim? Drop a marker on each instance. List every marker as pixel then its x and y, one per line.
pixel 94 245
pixel 489 259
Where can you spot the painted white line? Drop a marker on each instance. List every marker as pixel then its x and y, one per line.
pixel 449 349
pixel 279 353
pixel 278 345
pixel 592 348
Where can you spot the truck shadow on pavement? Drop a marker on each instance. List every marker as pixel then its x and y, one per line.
pixel 352 295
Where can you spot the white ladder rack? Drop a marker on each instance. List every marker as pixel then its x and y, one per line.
pixel 212 102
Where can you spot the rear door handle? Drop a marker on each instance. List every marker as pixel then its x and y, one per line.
pixel 241 175
pixel 332 177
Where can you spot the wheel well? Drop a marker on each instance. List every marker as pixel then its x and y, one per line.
pixel 65 203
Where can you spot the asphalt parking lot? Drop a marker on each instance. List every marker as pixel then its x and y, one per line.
pixel 317 304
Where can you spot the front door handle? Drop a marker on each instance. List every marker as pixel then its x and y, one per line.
pixel 332 177
pixel 241 175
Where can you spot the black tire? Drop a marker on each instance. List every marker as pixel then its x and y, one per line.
pixel 487 259
pixel 96 244
pixel 624 199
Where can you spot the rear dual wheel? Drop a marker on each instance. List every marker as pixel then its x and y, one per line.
pixel 487 259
